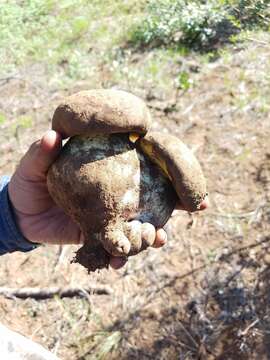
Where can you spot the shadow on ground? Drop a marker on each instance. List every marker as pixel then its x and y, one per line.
pixel 227 319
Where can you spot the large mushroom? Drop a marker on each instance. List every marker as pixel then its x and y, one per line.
pixel 114 178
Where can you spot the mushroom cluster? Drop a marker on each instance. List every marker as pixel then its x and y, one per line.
pixel 115 178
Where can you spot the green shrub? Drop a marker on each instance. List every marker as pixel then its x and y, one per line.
pixel 197 24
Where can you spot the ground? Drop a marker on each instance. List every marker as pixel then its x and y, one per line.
pixel 205 295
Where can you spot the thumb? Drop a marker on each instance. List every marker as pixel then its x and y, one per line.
pixel 41 154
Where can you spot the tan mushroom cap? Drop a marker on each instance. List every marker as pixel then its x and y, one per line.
pixel 179 165
pixel 96 112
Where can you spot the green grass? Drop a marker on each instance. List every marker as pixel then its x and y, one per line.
pixel 99 345
pixel 59 33
pixel 2 119
pixel 72 39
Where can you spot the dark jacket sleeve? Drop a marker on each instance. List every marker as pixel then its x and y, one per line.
pixel 11 239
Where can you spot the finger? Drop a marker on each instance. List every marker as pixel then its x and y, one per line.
pixel 42 153
pixel 133 232
pixel 116 262
pixel 148 234
pixel 203 205
pixel 161 238
pixel 115 241
pixel 50 146
pixel 51 142
pixel 141 236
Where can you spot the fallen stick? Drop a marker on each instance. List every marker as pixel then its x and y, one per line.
pixel 48 293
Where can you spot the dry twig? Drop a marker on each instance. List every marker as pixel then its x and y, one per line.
pixel 48 293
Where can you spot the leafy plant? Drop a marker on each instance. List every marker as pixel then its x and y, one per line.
pixel 183 81
pixel 198 24
pixel 250 13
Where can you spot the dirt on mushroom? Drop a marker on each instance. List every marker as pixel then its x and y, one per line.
pixel 104 176
pixel 107 180
pixel 179 164
pixel 98 112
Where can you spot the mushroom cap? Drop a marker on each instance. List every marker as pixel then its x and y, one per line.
pixel 99 112
pixel 179 165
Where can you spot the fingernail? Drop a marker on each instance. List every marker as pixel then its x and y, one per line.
pixel 204 204
pixel 164 237
pixel 123 261
pixel 51 141
pixel 118 262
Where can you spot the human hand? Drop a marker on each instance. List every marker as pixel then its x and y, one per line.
pixel 37 216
